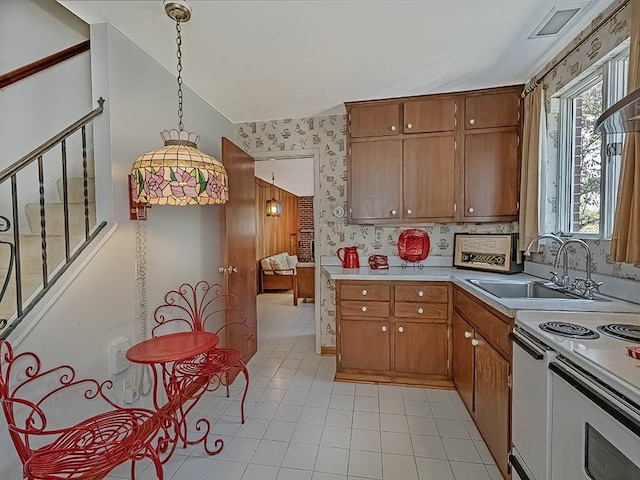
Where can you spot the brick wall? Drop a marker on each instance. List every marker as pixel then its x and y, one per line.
pixel 305 228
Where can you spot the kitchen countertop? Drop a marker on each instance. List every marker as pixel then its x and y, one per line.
pixel 506 306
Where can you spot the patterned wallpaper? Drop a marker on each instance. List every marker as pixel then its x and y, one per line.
pixel 326 136
pixel 599 46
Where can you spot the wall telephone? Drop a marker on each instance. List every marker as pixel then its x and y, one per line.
pixel 137 211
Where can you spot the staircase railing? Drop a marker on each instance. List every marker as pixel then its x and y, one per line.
pixel 10 174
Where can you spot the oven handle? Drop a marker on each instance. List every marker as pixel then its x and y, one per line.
pixel 596 397
pixel 515 463
pixel 532 351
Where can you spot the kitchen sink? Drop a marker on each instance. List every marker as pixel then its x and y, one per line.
pixel 525 289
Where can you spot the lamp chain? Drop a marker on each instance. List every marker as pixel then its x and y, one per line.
pixel 179 55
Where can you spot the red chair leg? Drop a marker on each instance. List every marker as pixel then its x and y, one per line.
pixel 246 388
pixel 226 375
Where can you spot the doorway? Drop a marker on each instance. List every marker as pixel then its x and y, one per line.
pixel 293 167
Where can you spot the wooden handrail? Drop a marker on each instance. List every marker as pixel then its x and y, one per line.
pixel 42 64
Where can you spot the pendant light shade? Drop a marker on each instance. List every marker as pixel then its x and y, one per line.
pixel 273 206
pixel 178 173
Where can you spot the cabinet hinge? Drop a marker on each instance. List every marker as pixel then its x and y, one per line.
pixel 339 357
pixel 455 107
pixel 448 365
pixel 338 328
pixel 518 144
pixel 509 381
pixel 455 121
pixel 350 150
pixel 455 208
pixel 455 144
pixel 448 332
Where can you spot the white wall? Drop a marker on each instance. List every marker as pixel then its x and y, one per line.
pixel 184 243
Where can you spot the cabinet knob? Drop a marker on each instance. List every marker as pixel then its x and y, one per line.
pixel 467 334
pixel 409 212
pixel 364 292
pixel 364 309
pixel 401 329
pixel 474 342
pixel 393 128
pixel 393 212
pixel 470 209
pixel 409 125
pixel 420 310
pixel 421 293
pixel 384 328
pixel 472 121
pixel 222 269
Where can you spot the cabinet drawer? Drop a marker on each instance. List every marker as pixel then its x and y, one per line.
pixel 493 329
pixel 351 308
pixel 421 293
pixel 421 310
pixel 364 292
pixel 374 120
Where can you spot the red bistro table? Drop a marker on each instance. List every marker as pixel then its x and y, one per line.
pixel 164 354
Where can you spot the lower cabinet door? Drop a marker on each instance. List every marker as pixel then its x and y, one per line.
pixel 463 359
pixel 420 347
pixel 492 400
pixel 365 345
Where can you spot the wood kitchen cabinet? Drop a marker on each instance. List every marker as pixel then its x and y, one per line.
pixel 435 167
pixel 394 332
pixel 481 371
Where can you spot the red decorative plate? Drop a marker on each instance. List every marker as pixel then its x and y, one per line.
pixel 413 245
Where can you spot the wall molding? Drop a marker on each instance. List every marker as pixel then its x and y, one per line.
pixel 329 351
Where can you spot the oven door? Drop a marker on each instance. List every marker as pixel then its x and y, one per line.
pixel 595 431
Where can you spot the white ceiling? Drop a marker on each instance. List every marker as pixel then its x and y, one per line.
pixel 261 60
pixel 293 175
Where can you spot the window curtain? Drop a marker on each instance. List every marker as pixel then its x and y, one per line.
pixel 625 240
pixel 532 146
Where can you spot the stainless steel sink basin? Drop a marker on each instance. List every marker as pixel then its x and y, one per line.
pixel 524 289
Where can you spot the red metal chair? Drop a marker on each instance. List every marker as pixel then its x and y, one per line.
pixel 194 308
pixel 88 449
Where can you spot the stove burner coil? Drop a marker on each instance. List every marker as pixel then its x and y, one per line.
pixel 570 330
pixel 621 331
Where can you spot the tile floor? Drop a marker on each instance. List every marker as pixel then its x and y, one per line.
pixel 302 426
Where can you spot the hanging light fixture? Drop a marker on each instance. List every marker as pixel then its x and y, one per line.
pixel 273 207
pixel 178 173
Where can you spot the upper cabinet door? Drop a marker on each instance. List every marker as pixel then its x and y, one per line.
pixel 492 110
pixel 432 115
pixel 374 120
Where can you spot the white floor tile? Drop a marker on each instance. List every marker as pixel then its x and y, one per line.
pixel 399 443
pixel 392 405
pixel 195 467
pixel 272 396
pixel 367 420
pixel 327 476
pixel 445 410
pixel 301 456
pixel 413 393
pixel 368 440
pixel 452 428
pixel 298 385
pixel 278 430
pixel 428 446
pixel 341 388
pixel 399 466
pixel 279 383
pixel 336 437
pixel 332 460
pixel 294 474
pixel 341 402
pixel 393 423
pixel 433 469
pixel 366 404
pixel 389 391
pixel 438 396
pixel 461 450
pixel 288 413
pixel 314 415
pixel 294 398
pixel 240 449
pixel 469 471
pixel 227 470
pixel 339 418
pixel 366 390
pixel 365 464
pixel 318 399
pixel 263 411
pixel 484 452
pixel 324 387
pixel 494 473
pixel 307 433
pixel 228 426
pixel 270 452
pixel 260 472
pixel 253 428
pixel 418 408
pixel 474 434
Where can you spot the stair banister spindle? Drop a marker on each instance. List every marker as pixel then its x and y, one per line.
pixel 85 182
pixel 43 224
pixel 65 201
pixel 16 242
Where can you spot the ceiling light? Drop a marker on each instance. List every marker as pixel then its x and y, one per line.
pixel 557 20
pixel 178 173
pixel 273 206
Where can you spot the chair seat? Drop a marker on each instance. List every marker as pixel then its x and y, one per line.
pixel 94 446
pixel 214 362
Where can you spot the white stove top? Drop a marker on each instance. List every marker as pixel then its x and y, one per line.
pixel 605 357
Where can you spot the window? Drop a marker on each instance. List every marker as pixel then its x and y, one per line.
pixel 589 162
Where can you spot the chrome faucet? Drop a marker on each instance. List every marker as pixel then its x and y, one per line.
pixel 589 285
pixel 564 280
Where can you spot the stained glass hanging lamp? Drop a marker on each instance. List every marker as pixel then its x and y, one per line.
pixel 273 206
pixel 178 173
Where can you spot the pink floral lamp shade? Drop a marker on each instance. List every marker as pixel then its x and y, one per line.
pixel 178 174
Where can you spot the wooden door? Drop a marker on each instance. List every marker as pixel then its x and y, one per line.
pixel 374 120
pixel 428 177
pixel 364 345
pixel 491 174
pixel 375 180
pixel 492 400
pixel 492 110
pixel 463 360
pixel 420 347
pixel 240 247
pixel 431 115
